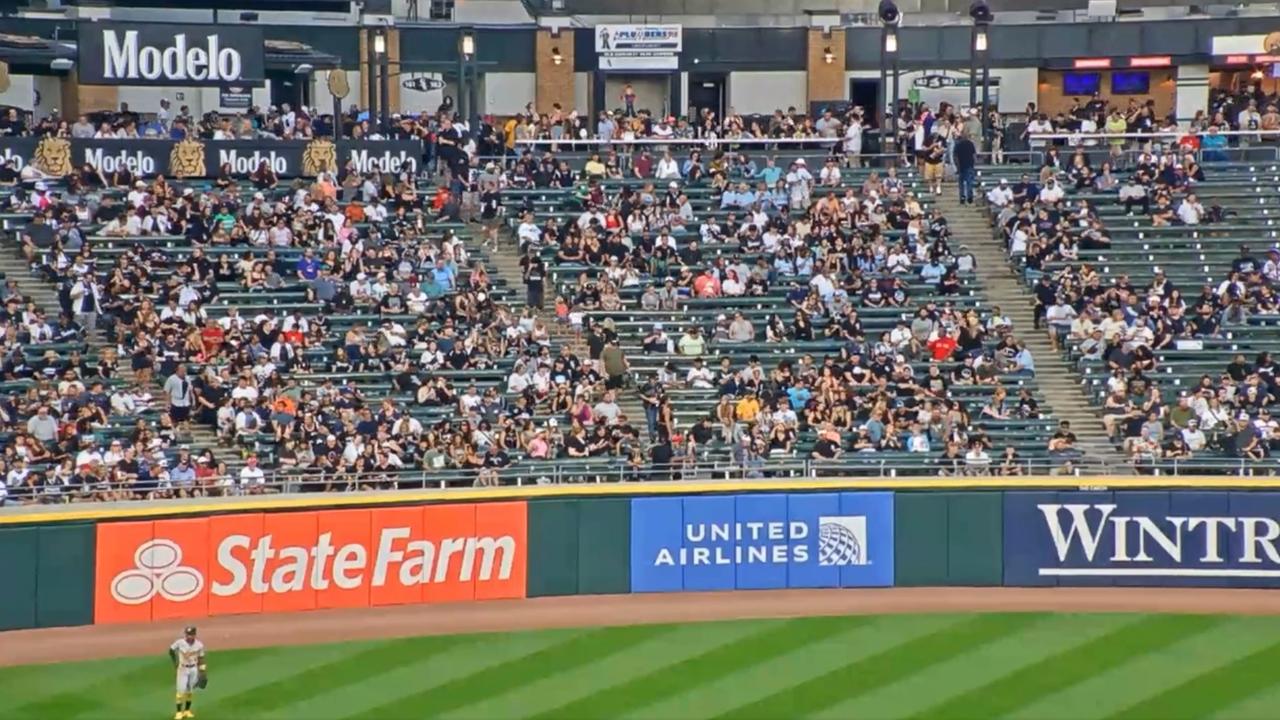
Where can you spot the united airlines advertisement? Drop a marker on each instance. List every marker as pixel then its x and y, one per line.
pixel 762 541
pixel 1222 539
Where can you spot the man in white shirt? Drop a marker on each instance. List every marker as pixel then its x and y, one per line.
pixel 699 376
pixel 251 476
pixel 1000 195
pixel 1052 192
pixel 1190 211
pixel 668 168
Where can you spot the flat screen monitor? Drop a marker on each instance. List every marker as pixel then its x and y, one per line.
pixel 1130 82
pixel 1081 83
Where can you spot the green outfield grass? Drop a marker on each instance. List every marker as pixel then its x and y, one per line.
pixel 902 666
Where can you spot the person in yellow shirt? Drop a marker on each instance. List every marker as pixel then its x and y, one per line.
pixel 509 133
pixel 747 409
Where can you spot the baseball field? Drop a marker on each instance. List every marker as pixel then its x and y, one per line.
pixel 925 663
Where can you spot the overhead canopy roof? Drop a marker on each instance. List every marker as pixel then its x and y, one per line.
pixel 31 55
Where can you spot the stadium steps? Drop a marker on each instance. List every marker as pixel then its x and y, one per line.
pixel 505 264
pixel 45 295
pixel 1061 385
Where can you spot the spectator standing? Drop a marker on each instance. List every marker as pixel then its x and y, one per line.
pixel 966 155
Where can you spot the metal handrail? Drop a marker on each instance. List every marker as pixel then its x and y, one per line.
pixel 618 470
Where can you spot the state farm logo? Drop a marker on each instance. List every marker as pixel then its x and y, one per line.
pixel 157 570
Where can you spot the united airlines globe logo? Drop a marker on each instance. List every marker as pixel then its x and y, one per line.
pixel 842 540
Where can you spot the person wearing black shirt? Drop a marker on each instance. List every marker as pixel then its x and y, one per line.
pixel 535 272
pixel 966 158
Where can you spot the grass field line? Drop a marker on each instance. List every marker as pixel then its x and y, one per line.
pixel 579 650
pixel 1056 671
pixel 923 684
pixel 866 674
pixel 418 671
pixel 759 680
pixel 1148 675
pixel 1211 690
pixel 552 695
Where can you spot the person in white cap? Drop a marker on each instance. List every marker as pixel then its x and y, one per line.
pixel 799 185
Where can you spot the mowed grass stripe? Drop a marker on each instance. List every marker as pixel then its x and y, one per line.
pixel 574 652
pixel 283 689
pixel 1212 691
pixel 541 695
pixel 776 674
pixel 1069 667
pixel 891 665
pixel 1153 673
pixel 711 665
pixel 77 698
pixel 416 674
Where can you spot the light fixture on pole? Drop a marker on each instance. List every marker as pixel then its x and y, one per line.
pixel 468 45
pixel 890 19
pixel 556 57
pixel 980 40
pixel 828 56
pixel 384 76
pixel 981 14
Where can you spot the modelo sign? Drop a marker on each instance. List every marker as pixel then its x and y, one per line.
pixel 293 561
pixel 165 54
pixel 1224 539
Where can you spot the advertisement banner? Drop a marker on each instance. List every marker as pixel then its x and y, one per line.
pixel 778 541
pixel 639 47
pixel 293 561
pixel 204 159
pixel 1220 539
pixel 114 53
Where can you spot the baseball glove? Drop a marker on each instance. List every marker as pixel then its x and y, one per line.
pixel 202 682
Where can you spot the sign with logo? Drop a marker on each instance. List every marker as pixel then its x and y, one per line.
pixel 235 97
pixel 639 47
pixel 290 561
pixel 422 83
pixel 1142 538
pixel 114 53
pixel 198 159
pixel 758 541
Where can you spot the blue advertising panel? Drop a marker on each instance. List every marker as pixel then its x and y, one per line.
pixel 757 517
pixel 762 541
pixel 656 530
pixel 709 543
pixel 805 514
pixel 860 540
pixel 1142 538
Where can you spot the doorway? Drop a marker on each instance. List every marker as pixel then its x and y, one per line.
pixel 706 92
pixel 867 93
pixel 289 87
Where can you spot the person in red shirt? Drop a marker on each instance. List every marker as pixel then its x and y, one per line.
pixel 212 336
pixel 707 285
pixel 943 347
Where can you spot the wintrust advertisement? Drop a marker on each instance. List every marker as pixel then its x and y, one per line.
pixel 762 541
pixel 287 562
pixel 1222 539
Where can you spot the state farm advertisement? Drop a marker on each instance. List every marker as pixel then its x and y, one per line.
pixel 293 561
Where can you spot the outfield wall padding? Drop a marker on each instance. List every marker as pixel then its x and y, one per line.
pixel 553 547
pixel 604 546
pixel 169 568
pixel 64 577
pixel 19 555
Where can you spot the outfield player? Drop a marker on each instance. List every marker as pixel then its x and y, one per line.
pixel 187 653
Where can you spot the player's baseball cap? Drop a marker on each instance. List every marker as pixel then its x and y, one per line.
pixel 191 630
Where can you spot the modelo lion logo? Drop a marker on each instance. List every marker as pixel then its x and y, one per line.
pixel 186 159
pixel 319 156
pixel 53 156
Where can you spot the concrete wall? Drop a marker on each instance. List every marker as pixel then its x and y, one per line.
pixel 764 92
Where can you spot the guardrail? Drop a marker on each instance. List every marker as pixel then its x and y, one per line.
pixel 617 470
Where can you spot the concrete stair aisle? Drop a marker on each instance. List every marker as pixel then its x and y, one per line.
pixel 505 264
pixel 45 296
pixel 1003 287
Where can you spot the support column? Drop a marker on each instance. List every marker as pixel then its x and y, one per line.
pixel 826 80
pixel 393 67
pixel 1191 91
pixel 554 82
pixel 78 99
